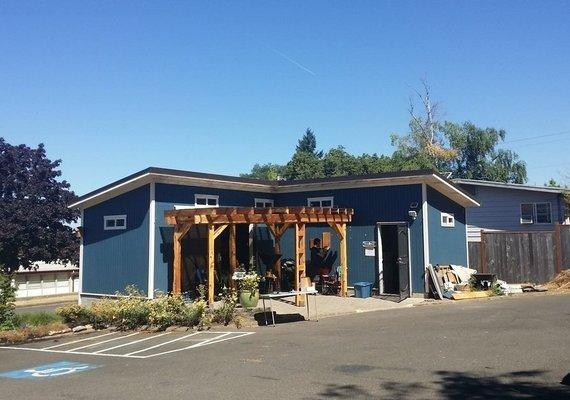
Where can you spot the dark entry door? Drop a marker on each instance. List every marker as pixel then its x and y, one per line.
pixel 403 262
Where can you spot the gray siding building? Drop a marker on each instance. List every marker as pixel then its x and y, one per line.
pixel 512 207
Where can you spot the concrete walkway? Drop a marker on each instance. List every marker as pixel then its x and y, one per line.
pixel 329 306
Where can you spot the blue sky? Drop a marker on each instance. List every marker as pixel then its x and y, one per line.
pixel 114 87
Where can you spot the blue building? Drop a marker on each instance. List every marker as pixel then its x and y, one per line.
pixel 402 222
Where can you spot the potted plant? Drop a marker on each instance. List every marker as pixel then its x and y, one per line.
pixel 249 290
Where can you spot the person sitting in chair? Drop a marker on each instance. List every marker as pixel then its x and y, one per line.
pixel 316 263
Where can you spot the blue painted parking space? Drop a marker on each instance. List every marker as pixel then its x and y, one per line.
pixel 51 370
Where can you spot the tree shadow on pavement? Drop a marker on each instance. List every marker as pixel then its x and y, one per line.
pixel 453 385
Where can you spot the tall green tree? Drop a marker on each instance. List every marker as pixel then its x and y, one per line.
pixel 267 171
pixel 34 218
pixel 338 162
pixel 308 144
pixel 304 165
pixel 477 156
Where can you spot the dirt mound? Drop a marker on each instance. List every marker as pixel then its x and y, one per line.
pixel 560 281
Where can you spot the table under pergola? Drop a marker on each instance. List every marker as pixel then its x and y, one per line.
pixel 277 219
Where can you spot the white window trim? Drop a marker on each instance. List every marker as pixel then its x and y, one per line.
pixel 534 213
pixel 264 201
pixel 114 217
pixel 207 197
pixel 321 199
pixel 447 224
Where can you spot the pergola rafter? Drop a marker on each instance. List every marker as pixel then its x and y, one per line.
pixel 277 219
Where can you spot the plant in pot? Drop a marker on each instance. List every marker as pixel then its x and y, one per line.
pixel 249 290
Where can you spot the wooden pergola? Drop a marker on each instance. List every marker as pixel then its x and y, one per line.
pixel 277 219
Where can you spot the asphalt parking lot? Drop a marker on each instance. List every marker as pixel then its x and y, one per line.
pixel 499 348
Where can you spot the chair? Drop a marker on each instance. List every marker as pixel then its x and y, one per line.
pixel 330 283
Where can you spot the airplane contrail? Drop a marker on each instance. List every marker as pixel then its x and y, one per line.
pixel 285 56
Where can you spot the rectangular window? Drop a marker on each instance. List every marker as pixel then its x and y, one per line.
pixel 536 213
pixel 320 201
pixel 114 222
pixel 527 213
pixel 206 200
pixel 543 215
pixel 447 220
pixel 263 203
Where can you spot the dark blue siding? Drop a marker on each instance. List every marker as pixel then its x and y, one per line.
pixel 114 259
pixel 446 245
pixel 166 196
pixel 371 205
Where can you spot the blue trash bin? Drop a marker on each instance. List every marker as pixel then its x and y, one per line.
pixel 362 289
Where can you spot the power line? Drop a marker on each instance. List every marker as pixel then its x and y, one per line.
pixel 566 132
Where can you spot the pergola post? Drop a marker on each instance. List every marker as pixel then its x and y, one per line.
pixel 299 260
pixel 343 262
pixel 177 262
pixel 233 255
pixel 180 230
pixel 211 264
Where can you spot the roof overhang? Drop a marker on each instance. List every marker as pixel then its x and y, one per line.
pixel 503 185
pixel 157 175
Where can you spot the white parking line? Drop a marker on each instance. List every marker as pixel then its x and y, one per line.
pixel 162 344
pixel 107 352
pixel 104 341
pixel 130 343
pixel 80 340
pixel 192 346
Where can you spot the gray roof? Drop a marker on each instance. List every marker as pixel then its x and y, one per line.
pixel 503 185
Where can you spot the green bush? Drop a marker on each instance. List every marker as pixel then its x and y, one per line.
pixel 7 299
pixel 226 312
pixel 75 315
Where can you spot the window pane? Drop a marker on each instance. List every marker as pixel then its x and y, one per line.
pixel 527 213
pixel 326 203
pixel 212 202
pixel 120 222
pixel 201 201
pixel 259 205
pixel 543 213
pixel 314 204
pixel 110 223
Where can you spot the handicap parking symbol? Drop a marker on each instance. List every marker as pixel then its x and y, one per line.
pixel 49 370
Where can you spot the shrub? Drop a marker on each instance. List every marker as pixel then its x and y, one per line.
pixel 166 311
pixel 21 335
pixel 7 299
pixel 226 312
pixel 75 315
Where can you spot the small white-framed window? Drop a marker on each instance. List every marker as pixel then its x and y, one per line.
pixel 206 200
pixel 114 222
pixel 447 220
pixel 320 201
pixel 543 213
pixel 263 203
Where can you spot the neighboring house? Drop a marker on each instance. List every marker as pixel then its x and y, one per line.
pixel 401 223
pixel 46 279
pixel 512 207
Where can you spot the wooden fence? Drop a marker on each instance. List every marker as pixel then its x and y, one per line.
pixel 518 257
